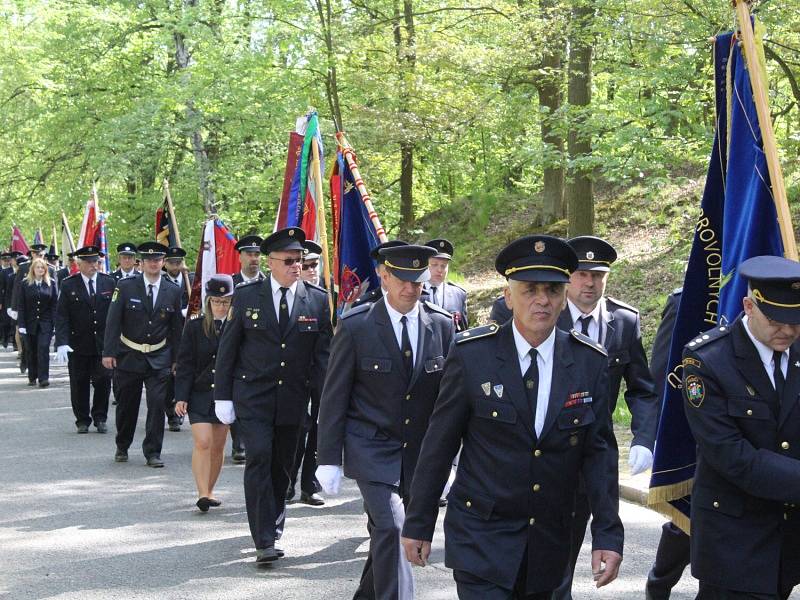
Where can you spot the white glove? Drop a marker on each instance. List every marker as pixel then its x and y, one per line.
pixel 23 331
pixel 184 311
pixel 450 481
pixel 61 354
pixel 12 314
pixel 640 459
pixel 224 411
pixel 329 477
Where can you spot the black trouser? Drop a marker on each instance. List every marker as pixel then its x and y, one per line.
pixel 712 592
pixel 236 437
pixel 270 457
pixel 307 455
pixel 471 587
pixel 37 355
pixel 579 522
pixel 129 396
pixel 86 372
pixel 672 557
pixel 169 402
pixel 5 328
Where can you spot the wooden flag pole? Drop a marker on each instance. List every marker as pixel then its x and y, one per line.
pixel 55 240
pixel 350 157
pixel 65 223
pixel 767 132
pixel 322 225
pixel 174 224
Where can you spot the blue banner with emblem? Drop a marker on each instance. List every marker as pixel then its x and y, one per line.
pixel 737 220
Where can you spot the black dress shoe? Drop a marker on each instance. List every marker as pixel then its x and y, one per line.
pixel 121 456
pixel 290 494
pixel 279 552
pixel 155 462
pixel 214 502
pixel 44 384
pixel 32 383
pixel 311 499
pixel 203 504
pixel 101 427
pixel 83 429
pixel 238 456
pixel 267 555
pixel 174 425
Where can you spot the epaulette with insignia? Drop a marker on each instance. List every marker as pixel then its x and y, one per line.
pixel 357 310
pixel 101 274
pixel 246 283
pixel 622 304
pixel 73 276
pixel 584 339
pixel 708 336
pixel 319 288
pixel 436 308
pixel 170 280
pixel 455 285
pixel 477 333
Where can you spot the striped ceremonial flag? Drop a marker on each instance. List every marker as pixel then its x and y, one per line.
pixel 217 254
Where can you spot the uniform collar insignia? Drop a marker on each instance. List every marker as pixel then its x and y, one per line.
pixel 487 388
pixel 498 389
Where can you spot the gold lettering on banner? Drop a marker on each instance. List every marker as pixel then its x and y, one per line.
pixel 713 252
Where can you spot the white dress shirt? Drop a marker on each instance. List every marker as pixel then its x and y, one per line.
pixel 86 281
pixel 156 284
pixel 594 324
pixel 412 324
pixel 544 362
pixel 126 274
pixel 767 354
pixel 276 297
pixel 439 294
pixel 246 279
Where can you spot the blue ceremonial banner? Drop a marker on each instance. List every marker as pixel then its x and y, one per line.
pixel 737 220
pixel 354 236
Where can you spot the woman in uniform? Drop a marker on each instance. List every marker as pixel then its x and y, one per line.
pixel 194 377
pixel 35 320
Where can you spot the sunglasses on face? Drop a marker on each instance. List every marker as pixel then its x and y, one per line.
pixel 287 261
pixel 309 266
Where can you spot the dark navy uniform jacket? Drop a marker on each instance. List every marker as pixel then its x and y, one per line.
pixel 3 280
pixel 19 278
pixel 130 315
pixel 61 275
pixel 37 306
pixel 513 489
pixel 258 367
pixel 372 295
pixel 662 343
pixel 370 409
pixel 194 374
pixel 454 302
pixel 81 321
pixel 117 275
pixel 237 277
pixel 500 313
pixel 745 523
pixel 622 338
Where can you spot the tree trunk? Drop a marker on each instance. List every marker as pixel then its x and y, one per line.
pixel 325 14
pixel 406 53
pixel 195 119
pixel 551 96
pixel 579 190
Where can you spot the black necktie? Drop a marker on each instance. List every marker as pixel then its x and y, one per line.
pixel 434 297
pixel 91 289
pixel 405 347
pixel 150 295
pixel 531 381
pixel 585 322
pixel 283 311
pixel 218 326
pixel 777 372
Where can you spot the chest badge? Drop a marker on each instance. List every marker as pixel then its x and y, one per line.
pixel 750 390
pixel 498 390
pixel 487 388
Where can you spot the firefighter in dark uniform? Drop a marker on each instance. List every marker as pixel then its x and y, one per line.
pixel 616 326
pixel 8 290
pixel 80 328
pixel 143 331
pixel 375 294
pixel 672 555
pixel 529 403
pixel 387 360
pixel 64 271
pixel 126 257
pixel 36 314
pixel 441 292
pixel 5 320
pixel 175 271
pixel 741 383
pixel 194 387
pixel 500 313
pixel 273 352
pixel 307 444
pixel 249 248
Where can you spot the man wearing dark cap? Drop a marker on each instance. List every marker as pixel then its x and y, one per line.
pixel 375 294
pixel 441 292
pixel 126 257
pixel 143 330
pixel 616 326
pixel 273 352
pixel 307 444
pixel 383 379
pixel 528 405
pixel 249 248
pixel 80 325
pixel 5 320
pixel 64 271
pixel 741 384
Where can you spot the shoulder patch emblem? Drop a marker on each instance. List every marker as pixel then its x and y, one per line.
pixel 695 391
pixel 477 333
pixel 588 341
pixel 691 362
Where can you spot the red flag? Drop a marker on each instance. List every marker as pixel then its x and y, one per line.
pixel 89 226
pixel 217 254
pixel 18 243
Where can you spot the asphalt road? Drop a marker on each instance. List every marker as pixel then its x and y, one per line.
pixel 76 525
